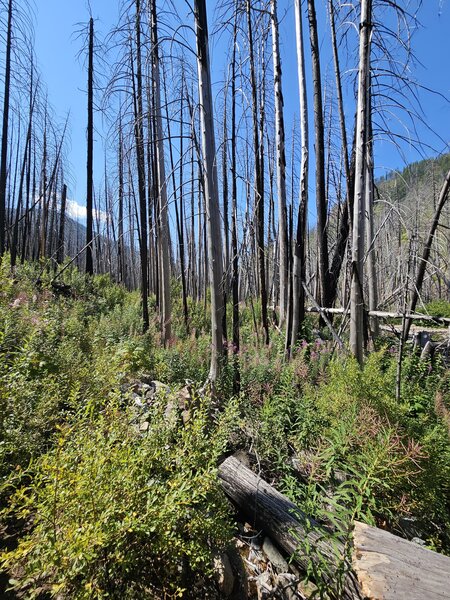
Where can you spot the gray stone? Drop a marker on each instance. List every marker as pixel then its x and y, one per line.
pixel 138 400
pixel 171 413
pixel 287 585
pixel 160 388
pixel 419 541
pixel 264 586
pixel 274 556
pixel 224 574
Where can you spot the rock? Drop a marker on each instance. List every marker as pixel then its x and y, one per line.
pixel 186 416
pixel 146 378
pixel 185 397
pixel 224 574
pixel 160 388
pixel 340 476
pixel 264 586
pixel 138 400
pixel 171 413
pixel 135 387
pixel 143 427
pixel 419 541
pixel 274 556
pixel 286 584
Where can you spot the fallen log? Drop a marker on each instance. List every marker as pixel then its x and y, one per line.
pixel 443 321
pixel 390 568
pixel 282 520
pixel 383 566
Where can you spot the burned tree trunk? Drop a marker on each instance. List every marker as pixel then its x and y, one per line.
pixel 359 206
pixel 211 190
pixel 281 165
pixel 4 152
pixel 90 153
pixel 299 258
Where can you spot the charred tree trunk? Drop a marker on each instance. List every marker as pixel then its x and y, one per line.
pixel 344 227
pixel 443 196
pixel 164 234
pixel 234 238
pixel 281 166
pixel 4 154
pixel 357 324
pixel 138 134
pixel 90 153
pixel 259 181
pixel 62 224
pixel 319 144
pixel 210 188
pixel 299 258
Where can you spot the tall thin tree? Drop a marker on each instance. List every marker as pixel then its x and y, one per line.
pixel 281 165
pixel 5 123
pixel 359 206
pixel 211 190
pixel 90 152
pixel 299 259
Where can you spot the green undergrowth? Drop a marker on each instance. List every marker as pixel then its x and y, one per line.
pixel 92 509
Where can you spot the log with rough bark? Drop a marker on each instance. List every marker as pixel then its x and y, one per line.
pixel 384 566
pixel 444 321
pixel 283 521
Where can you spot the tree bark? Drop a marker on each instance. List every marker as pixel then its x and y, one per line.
pixel 62 224
pixel 211 190
pixel 5 123
pixel 319 144
pixel 90 152
pixel 299 258
pixel 234 237
pixel 164 234
pixel 139 141
pixel 359 206
pixel 281 166
pixel 344 227
pixel 259 181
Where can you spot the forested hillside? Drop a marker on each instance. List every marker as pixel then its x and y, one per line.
pixel 224 365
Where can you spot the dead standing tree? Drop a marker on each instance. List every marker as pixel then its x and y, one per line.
pixel 163 220
pixel 90 152
pixel 281 165
pixel 259 179
pixel 319 144
pixel 359 207
pixel 211 190
pixel 4 151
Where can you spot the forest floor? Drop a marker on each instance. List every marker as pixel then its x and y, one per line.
pixel 110 445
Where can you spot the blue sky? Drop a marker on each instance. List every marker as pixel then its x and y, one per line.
pixel 57 49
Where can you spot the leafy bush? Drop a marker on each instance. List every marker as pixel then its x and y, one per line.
pixel 438 308
pixel 112 514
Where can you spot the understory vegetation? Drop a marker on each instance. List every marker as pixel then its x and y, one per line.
pixel 93 506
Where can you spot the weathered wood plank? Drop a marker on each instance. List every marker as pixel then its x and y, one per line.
pixel 391 568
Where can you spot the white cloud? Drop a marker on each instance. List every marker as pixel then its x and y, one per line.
pixel 78 212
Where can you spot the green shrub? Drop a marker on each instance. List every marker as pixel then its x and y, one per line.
pixel 113 514
pixel 438 308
